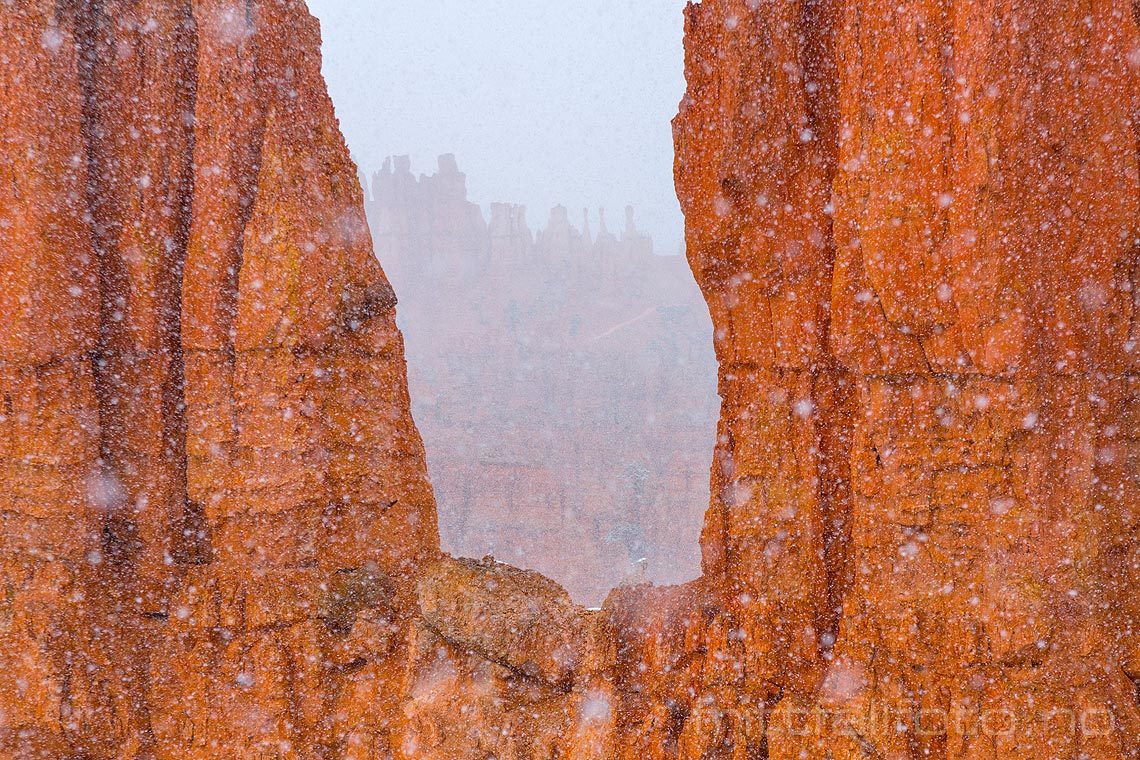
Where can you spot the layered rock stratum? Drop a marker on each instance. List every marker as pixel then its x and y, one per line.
pixel 915 226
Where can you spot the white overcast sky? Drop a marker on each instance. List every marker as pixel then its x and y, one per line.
pixel 542 101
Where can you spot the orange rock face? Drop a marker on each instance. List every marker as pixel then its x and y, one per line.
pixel 916 229
pixel 214 497
pixel 916 225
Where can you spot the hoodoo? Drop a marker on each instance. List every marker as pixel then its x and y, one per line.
pixel 564 383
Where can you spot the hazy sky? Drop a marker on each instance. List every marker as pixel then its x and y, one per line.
pixel 543 102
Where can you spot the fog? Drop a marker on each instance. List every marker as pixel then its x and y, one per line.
pixel 561 374
pixel 543 103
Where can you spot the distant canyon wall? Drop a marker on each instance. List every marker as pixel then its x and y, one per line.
pixel 563 379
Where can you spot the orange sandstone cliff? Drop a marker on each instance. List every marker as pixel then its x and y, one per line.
pixel 915 226
pixel 214 496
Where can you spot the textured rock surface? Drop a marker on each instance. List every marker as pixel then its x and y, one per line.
pixel 215 500
pixel 916 229
pixel 63 690
pixel 516 618
pixel 916 225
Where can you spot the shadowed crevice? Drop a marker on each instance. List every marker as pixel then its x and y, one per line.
pixel 139 368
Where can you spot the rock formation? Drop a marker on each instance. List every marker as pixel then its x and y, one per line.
pixel 563 383
pixel 916 227
pixel 916 230
pixel 209 457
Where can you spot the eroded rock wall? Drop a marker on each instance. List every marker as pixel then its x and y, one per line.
pixel 916 225
pixel 215 500
pixel 57 693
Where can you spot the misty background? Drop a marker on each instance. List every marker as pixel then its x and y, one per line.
pixel 561 372
pixel 542 102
